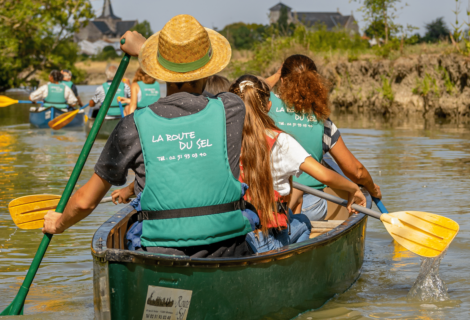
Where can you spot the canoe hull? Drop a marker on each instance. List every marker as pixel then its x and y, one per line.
pixel 40 119
pixel 106 128
pixel 276 285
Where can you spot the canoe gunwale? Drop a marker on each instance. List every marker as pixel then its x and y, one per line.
pixel 102 253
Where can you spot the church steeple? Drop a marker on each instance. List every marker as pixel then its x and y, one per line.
pixel 108 11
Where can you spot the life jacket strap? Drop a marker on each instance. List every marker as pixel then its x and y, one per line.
pixel 191 212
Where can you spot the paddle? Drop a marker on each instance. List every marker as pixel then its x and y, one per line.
pixel 6 101
pixel 423 233
pixel 28 212
pixel 64 119
pixel 380 205
pixel 16 307
pixel 120 107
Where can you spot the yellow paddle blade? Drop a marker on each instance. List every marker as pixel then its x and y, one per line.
pixel 423 233
pixel 28 212
pixel 62 120
pixel 6 101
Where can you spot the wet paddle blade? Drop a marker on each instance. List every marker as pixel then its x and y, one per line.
pixel 6 101
pixel 28 212
pixel 62 120
pixel 423 233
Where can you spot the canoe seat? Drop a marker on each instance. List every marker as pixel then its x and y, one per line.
pixel 321 227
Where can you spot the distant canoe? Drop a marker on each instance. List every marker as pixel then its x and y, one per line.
pixel 278 284
pixel 39 117
pixel 107 127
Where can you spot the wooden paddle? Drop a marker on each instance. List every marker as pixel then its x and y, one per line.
pixel 28 212
pixel 16 307
pixel 423 233
pixel 64 119
pixel 6 101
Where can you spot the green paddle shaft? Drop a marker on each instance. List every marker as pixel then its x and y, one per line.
pixel 18 303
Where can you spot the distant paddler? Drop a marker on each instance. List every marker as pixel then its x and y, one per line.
pixel 54 93
pixel 67 80
pixel 145 91
pixel 123 91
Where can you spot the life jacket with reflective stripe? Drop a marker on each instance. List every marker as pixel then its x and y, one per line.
pixel 114 109
pixel 280 217
pixel 149 93
pixel 305 128
pixel 55 96
pixel 187 176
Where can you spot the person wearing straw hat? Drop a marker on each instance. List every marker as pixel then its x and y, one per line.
pixel 184 150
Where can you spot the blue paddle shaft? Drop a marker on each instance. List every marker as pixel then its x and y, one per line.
pixel 121 108
pixel 380 205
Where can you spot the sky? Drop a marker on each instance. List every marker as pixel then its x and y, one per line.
pixel 218 13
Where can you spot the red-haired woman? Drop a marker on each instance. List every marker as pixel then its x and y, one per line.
pixel 301 108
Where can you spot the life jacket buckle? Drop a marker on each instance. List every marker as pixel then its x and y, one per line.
pixel 240 205
pixel 142 215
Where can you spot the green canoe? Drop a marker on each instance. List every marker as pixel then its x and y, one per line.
pixel 279 284
pixel 107 127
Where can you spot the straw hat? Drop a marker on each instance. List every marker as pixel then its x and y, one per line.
pixel 184 51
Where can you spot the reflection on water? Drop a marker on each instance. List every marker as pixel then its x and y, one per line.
pixel 425 169
pixel 421 168
pixel 19 113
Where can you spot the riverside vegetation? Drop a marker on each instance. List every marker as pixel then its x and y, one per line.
pixel 399 78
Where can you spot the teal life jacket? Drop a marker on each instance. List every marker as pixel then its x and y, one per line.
pixel 190 196
pixel 114 109
pixel 55 96
pixel 150 93
pixel 306 129
pixel 67 83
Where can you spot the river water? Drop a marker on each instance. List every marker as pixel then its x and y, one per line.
pixel 419 166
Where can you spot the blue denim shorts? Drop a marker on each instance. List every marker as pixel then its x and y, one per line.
pixel 299 231
pixel 314 208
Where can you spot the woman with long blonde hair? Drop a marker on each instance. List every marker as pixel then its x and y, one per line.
pixel 269 158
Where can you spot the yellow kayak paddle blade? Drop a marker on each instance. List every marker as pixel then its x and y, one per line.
pixel 423 233
pixel 28 212
pixel 62 120
pixel 6 101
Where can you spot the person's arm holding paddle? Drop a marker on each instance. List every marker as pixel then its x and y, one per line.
pixel 80 205
pixel 334 180
pixel 353 168
pixel 132 102
pixel 123 195
pixel 84 201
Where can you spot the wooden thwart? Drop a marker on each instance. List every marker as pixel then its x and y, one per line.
pixel 321 227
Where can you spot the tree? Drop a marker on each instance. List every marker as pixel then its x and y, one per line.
pixel 282 21
pixel 376 29
pixel 107 53
pixel 143 28
pixel 436 30
pixel 242 35
pixel 380 10
pixel 36 35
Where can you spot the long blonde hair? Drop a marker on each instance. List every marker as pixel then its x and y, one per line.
pixel 255 159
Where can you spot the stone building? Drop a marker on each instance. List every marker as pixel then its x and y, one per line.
pixel 107 27
pixel 331 20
